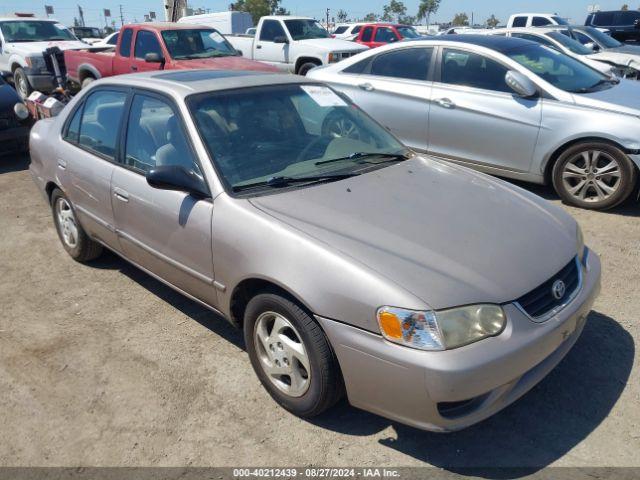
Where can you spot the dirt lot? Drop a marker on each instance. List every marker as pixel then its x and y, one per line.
pixel 102 365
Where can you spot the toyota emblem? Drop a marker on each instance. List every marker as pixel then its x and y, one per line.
pixel 557 289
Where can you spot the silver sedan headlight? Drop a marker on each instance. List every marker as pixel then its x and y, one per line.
pixel 441 329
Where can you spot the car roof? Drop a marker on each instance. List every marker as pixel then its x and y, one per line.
pixel 164 25
pixel 27 19
pixel 494 42
pixel 182 83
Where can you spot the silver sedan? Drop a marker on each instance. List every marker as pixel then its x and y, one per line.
pixel 431 294
pixel 506 106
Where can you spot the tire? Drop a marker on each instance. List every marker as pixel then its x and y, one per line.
pixel 86 82
pixel 305 67
pixel 82 248
pixel 324 386
pixel 339 125
pixel 21 82
pixel 594 175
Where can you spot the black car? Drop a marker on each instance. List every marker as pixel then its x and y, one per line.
pixel 14 133
pixel 623 24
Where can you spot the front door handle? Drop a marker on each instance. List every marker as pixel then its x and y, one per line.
pixel 134 68
pixel 258 47
pixel 445 102
pixel 367 87
pixel 121 195
pixel 62 164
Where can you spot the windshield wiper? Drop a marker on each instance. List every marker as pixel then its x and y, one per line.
pixel 391 157
pixel 278 182
pixel 598 84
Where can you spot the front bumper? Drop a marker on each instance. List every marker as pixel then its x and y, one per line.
pixel 453 389
pixel 44 83
pixel 14 139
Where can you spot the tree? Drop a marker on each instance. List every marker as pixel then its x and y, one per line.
pixel 460 20
pixel 342 16
pixel 625 7
pixel 259 8
pixel 370 17
pixel 427 8
pixel 394 11
pixel 492 22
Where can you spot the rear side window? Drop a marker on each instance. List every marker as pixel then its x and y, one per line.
pixel 340 30
pixel 146 42
pixel 356 29
pixel 358 68
pixel 113 40
pixel 626 17
pixel 540 22
pixel 125 44
pixel 520 22
pixel 408 63
pixel 100 122
pixel 603 18
pixel 367 33
pixel 270 30
pixel 473 70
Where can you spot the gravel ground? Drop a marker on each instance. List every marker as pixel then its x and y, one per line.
pixel 101 365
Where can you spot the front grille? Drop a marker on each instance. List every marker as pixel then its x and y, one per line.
pixel 540 301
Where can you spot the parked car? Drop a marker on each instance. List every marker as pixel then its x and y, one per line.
pixel 22 41
pixel 619 53
pixel 14 129
pixel 505 106
pixel 166 46
pixel 293 44
pixel 88 35
pixel 110 41
pixel 227 23
pixel 436 295
pixel 623 24
pixel 379 34
pixel 535 20
pixel 560 39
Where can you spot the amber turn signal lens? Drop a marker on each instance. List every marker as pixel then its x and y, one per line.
pixel 390 325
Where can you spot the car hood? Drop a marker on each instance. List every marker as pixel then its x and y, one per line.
pixel 225 63
pixel 8 98
pixel 332 45
pixel 618 58
pixel 629 49
pixel 621 98
pixel 34 48
pixel 446 234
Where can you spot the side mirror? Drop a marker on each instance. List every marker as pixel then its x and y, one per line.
pixel 176 177
pixel 280 39
pixel 594 47
pixel 153 58
pixel 520 84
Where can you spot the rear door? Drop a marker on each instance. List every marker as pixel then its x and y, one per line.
pixel 166 232
pixel 476 118
pixel 86 160
pixel 394 88
pixel 146 41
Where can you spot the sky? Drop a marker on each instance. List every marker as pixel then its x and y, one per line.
pixel 65 10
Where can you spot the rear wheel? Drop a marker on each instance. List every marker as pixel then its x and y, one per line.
pixel 594 175
pixel 87 81
pixel 74 239
pixel 291 355
pixel 20 80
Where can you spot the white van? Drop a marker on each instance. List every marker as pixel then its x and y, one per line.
pixel 227 23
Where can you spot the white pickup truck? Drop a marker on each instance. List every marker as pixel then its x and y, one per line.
pixel 22 41
pixel 293 44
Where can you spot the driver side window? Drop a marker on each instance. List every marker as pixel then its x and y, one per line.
pixel 270 30
pixel 155 137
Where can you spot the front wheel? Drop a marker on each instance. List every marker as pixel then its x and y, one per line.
pixel 87 81
pixel 291 355
pixel 305 67
pixel 596 176
pixel 20 80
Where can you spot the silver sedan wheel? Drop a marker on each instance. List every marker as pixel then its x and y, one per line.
pixel 282 355
pixel 343 128
pixel 67 223
pixel 591 176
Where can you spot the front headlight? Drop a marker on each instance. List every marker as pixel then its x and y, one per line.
pixel 580 248
pixel 334 57
pixel 442 329
pixel 37 63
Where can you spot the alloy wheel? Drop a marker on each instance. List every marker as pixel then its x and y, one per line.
pixel 345 128
pixel 67 223
pixel 591 176
pixel 283 357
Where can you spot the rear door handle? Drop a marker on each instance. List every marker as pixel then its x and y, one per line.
pixel 121 194
pixel 367 87
pixel 62 164
pixel 445 102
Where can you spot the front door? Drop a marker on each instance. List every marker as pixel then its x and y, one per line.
pixel 476 118
pixel 265 47
pixel 146 42
pixel 164 231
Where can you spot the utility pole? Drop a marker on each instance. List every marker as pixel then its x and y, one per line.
pixel 328 12
pixel 121 17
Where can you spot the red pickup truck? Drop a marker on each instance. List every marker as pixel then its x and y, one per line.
pixel 168 46
pixel 378 34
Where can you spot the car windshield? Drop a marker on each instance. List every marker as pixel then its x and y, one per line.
pixel 602 38
pixel 306 29
pixel 558 69
pixel 408 32
pixel 569 43
pixel 188 44
pixel 263 137
pixel 85 32
pixel 34 31
pixel 559 21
